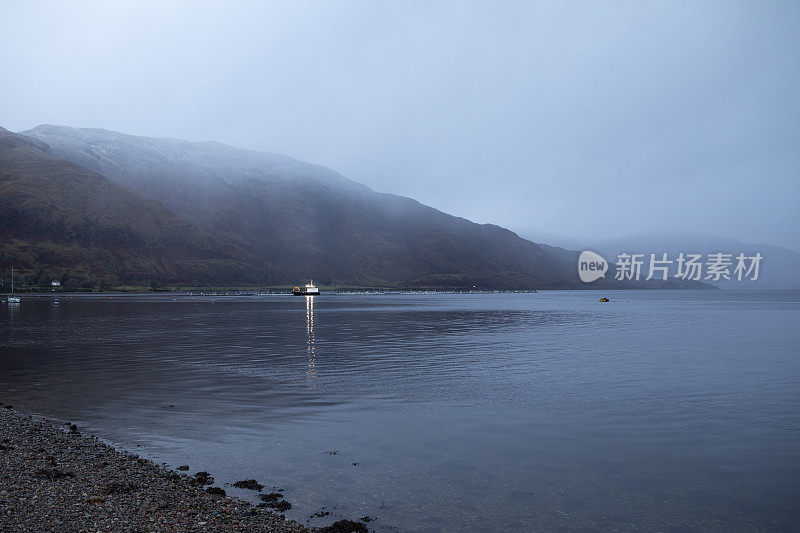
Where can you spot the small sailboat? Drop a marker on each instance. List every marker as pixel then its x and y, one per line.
pixel 11 298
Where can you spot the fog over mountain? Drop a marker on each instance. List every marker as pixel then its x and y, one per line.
pixel 60 221
pixel 593 121
pixel 779 268
pixel 309 220
pixel 275 219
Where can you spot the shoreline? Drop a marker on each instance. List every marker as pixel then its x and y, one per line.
pixel 55 295
pixel 53 478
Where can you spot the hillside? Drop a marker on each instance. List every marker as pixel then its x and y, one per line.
pixel 59 220
pixel 309 220
pixel 127 208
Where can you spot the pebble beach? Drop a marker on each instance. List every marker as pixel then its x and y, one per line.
pixel 53 478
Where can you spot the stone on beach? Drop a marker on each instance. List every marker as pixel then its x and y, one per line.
pixel 55 480
pixel 250 484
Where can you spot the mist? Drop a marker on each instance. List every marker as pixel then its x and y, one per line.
pixel 580 120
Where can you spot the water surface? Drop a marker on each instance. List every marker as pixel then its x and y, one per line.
pixel 668 410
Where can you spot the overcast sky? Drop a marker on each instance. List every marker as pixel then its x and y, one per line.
pixel 575 118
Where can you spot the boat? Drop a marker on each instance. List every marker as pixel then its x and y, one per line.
pixel 604 300
pixel 11 298
pixel 308 290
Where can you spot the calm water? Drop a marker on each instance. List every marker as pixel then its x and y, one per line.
pixel 674 411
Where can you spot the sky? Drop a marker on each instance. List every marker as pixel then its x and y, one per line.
pixel 579 119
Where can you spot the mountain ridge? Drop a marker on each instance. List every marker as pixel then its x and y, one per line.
pixel 286 220
pixel 58 215
pixel 309 219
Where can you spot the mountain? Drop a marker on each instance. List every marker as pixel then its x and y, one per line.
pixel 779 268
pixel 271 217
pixel 309 220
pixel 59 220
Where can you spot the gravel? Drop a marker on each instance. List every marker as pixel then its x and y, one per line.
pixel 52 478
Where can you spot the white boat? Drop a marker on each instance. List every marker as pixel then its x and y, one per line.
pixel 308 290
pixel 11 298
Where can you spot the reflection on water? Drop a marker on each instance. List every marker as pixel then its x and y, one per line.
pixel 549 411
pixel 13 311
pixel 311 372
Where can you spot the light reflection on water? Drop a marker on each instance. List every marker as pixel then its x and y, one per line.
pixel 311 374
pixel 659 410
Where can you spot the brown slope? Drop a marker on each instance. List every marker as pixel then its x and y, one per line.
pixel 59 217
pixel 311 221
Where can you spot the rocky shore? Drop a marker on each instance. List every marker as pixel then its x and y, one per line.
pixel 52 478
